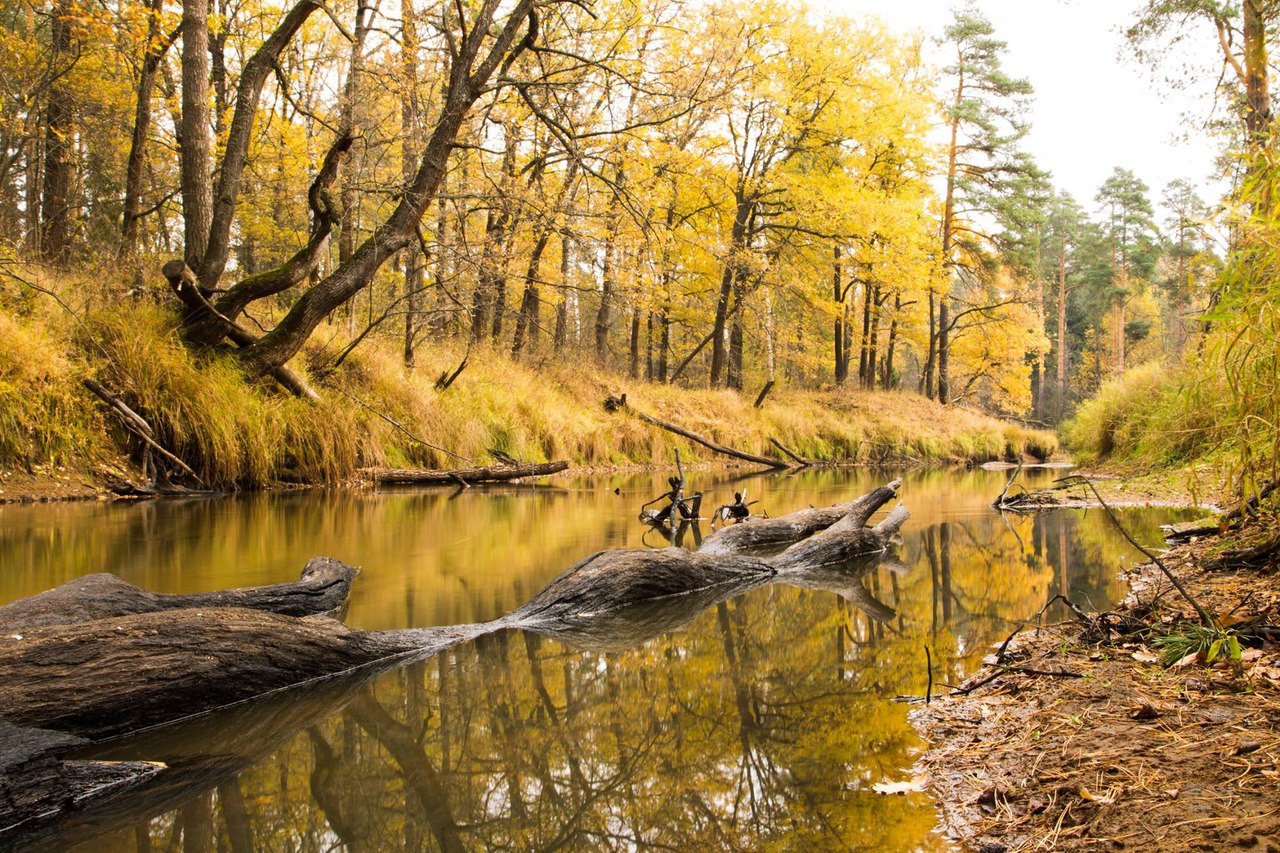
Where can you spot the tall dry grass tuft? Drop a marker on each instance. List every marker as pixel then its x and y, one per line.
pixel 45 416
pixel 234 432
pixel 1152 414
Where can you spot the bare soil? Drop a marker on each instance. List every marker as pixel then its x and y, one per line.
pixel 48 484
pixel 1117 751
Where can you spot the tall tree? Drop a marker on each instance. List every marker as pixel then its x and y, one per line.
pixel 1242 30
pixel 984 111
pixel 1129 229
pixel 59 143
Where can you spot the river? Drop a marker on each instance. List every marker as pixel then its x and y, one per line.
pixel 764 723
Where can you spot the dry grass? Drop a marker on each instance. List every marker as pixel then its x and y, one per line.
pixel 242 433
pixel 557 412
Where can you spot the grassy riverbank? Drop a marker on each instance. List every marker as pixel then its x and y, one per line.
pixel 238 433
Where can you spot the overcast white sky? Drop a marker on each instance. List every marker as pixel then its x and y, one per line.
pixel 1095 106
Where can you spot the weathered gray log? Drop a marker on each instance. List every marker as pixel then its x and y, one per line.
pixel 468 476
pixel 841 544
pixel 624 590
pixel 112 676
pixel 764 536
pixel 236 677
pixel 323 588
pixel 199 754
pixel 186 661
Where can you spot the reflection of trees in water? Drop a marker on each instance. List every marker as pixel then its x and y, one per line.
pixel 985 575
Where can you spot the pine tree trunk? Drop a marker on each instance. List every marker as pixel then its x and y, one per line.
pixel 837 288
pixel 59 160
pixel 926 375
pixel 134 168
pixel 195 149
pixel 414 262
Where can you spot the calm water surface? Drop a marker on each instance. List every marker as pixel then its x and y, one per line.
pixel 763 724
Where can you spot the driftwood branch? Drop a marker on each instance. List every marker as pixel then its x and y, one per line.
pixel 137 425
pixel 1000 502
pixel 771 535
pixel 446 378
pixel 705 442
pixel 1206 618
pixel 791 454
pixel 488 474
pixel 764 392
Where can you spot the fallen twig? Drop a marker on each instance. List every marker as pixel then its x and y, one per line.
pixel 1022 670
pixel 1205 616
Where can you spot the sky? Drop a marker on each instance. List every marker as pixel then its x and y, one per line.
pixel 1096 107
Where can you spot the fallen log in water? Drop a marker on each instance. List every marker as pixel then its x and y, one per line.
pixel 211 652
pixel 112 676
pixel 462 476
pixel 764 536
pixel 323 588
pixel 195 755
pixel 613 579
pixel 599 588
pixel 34 779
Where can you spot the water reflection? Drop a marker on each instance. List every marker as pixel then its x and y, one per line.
pixel 760 721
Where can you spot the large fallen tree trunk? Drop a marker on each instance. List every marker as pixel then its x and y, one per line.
pixel 198 754
pixel 601 594
pixel 323 588
pixel 462 476
pixel 111 676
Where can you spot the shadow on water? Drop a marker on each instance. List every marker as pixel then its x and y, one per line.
pixel 736 717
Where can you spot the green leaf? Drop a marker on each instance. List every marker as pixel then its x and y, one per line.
pixel 1233 647
pixel 1213 651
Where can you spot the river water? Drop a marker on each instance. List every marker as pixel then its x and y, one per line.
pixel 764 723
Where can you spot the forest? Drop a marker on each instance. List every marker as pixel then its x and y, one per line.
pixel 704 195
pixel 390 247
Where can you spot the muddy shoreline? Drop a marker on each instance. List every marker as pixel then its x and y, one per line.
pixel 1084 739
